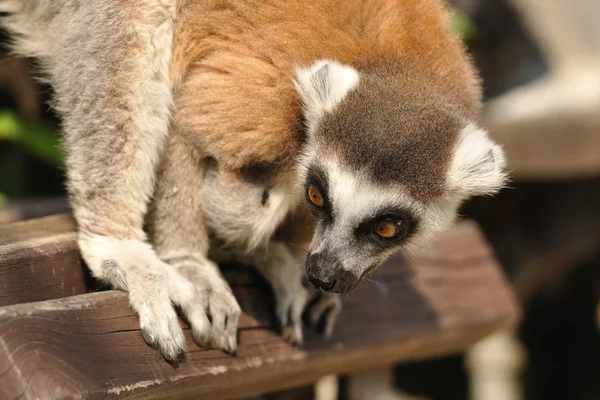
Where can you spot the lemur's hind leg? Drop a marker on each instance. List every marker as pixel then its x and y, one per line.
pixel 177 227
pixel 108 64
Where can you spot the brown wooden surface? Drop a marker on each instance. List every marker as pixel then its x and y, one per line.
pixel 563 146
pixel 39 260
pixel 435 302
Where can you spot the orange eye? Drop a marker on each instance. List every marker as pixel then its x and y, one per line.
pixel 385 229
pixel 315 196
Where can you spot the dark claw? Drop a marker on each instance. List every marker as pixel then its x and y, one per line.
pixel 149 341
pixel 202 340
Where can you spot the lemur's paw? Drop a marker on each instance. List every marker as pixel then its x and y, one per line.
pixel 153 288
pixel 290 305
pixel 212 297
pixel 324 311
pixel 293 335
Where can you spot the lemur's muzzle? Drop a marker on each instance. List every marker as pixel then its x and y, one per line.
pixel 327 274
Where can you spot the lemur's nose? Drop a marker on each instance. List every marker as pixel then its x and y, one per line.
pixel 318 283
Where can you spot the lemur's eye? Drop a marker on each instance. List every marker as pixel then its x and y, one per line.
pixel 385 229
pixel 315 196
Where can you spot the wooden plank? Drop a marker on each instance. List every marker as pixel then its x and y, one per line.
pixel 558 146
pixel 39 260
pixel 30 208
pixel 432 303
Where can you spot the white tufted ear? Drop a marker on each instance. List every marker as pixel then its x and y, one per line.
pixel 478 164
pixel 323 85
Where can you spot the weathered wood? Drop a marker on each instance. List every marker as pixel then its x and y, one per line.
pixel 39 260
pixel 31 208
pixel 550 127
pixel 557 146
pixel 435 302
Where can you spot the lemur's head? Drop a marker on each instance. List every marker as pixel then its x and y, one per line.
pixel 385 164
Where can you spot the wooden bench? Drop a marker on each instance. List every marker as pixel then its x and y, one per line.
pixel 550 128
pixel 61 336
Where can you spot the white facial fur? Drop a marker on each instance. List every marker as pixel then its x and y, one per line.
pixel 477 168
pixel 478 164
pixel 354 200
pixel 323 86
pixel 355 196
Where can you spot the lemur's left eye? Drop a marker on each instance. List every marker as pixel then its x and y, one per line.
pixel 315 196
pixel 385 229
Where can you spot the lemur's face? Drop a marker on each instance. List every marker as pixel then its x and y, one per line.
pixel 359 225
pixel 384 165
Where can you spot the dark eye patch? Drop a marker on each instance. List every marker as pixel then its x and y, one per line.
pixel 317 178
pixel 404 220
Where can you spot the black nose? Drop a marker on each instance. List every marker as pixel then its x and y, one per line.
pixel 316 282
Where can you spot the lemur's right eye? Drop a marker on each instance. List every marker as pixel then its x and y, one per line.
pixel 315 196
pixel 385 229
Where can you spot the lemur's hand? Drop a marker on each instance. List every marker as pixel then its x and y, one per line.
pixel 153 287
pixel 290 301
pixel 211 296
pixel 324 310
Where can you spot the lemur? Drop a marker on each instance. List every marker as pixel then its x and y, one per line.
pixel 250 127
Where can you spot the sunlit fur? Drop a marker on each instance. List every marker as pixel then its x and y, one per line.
pixel 379 94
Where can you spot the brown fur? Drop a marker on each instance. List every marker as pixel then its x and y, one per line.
pixel 233 65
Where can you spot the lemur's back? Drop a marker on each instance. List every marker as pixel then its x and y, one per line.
pixel 233 65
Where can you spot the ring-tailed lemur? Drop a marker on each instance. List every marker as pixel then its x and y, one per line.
pixel 361 113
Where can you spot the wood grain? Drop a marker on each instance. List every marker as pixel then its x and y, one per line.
pixel 39 260
pixel 562 146
pixel 438 301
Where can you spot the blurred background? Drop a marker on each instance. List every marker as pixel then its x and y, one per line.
pixel 540 64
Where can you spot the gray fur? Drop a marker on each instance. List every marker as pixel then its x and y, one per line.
pixel 396 133
pixel 107 61
pixel 382 143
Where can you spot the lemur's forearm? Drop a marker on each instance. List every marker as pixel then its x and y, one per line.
pixel 108 64
pixel 175 219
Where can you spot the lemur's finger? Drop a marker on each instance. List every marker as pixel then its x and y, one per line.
pixel 282 309
pixel 201 328
pixel 332 316
pixel 212 297
pixel 194 304
pixel 293 333
pixel 327 307
pixel 160 326
pixel 225 313
pixel 231 327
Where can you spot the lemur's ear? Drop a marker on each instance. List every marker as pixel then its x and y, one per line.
pixel 323 85
pixel 478 164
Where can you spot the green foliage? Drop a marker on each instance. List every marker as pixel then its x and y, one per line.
pixel 38 138
pixel 27 139
pixel 463 26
